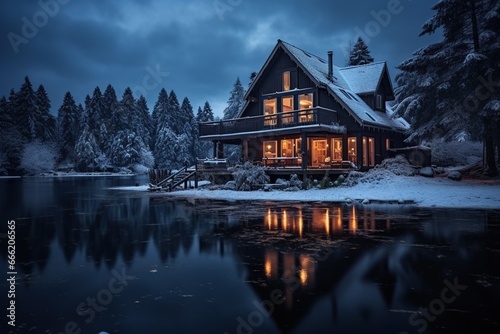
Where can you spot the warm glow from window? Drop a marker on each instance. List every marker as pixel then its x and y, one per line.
pixel 327 222
pixel 306 101
pixel 353 220
pixel 270 149
pixel 286 81
pixel 269 218
pixel 337 149
pixel 387 144
pixel 306 273
pixel 271 264
pixel 353 150
pixel 338 220
pixel 301 223
pixel 368 151
pixel 285 220
pixel 270 112
pixel 287 148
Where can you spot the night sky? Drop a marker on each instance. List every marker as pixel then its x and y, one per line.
pixel 197 48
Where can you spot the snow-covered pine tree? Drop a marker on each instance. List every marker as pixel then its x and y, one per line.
pixel 27 112
pixel 359 54
pixel 46 124
pixel 190 129
pixel 108 115
pixel 68 127
pixel 144 126
pixel 174 118
pixel 205 148
pixel 158 115
pixel 87 151
pixel 93 116
pixel 234 106
pixel 438 86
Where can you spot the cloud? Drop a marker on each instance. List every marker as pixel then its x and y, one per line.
pixel 95 43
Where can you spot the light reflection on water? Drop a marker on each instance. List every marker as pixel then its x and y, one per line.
pixel 218 267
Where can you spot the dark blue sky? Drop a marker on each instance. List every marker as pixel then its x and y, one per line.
pixel 197 48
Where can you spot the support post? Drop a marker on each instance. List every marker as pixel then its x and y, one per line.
pixel 220 150
pixel 245 149
pixel 305 154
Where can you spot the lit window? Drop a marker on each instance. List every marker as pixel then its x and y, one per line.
pixel 353 150
pixel 270 112
pixel 270 149
pixel 306 102
pixel 286 80
pixel 368 151
pixel 287 107
pixel 287 148
pixel 337 149
pixel 387 144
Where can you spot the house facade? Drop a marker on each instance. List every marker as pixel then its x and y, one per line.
pixel 303 111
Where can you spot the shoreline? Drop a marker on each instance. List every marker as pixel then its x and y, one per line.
pixel 418 191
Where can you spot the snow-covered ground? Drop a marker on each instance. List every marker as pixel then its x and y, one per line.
pixel 425 192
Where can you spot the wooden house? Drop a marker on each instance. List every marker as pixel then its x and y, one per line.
pixel 302 111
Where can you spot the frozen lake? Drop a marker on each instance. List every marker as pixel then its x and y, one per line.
pixel 90 258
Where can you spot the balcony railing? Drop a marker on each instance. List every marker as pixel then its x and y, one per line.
pixel 295 118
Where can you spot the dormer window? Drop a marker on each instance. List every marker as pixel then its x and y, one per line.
pixel 379 103
pixel 286 81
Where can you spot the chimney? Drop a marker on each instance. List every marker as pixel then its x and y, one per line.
pixel 330 65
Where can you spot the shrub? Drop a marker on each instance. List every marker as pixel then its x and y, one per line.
pixel 295 181
pixel 38 157
pixel 456 153
pixel 250 176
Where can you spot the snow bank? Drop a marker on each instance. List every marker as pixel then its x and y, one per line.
pixel 424 192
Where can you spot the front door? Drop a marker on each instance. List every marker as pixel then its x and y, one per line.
pixel 318 152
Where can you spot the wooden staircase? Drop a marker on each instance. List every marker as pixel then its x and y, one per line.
pixel 173 181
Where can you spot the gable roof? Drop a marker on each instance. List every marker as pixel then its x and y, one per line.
pixel 344 86
pixel 364 79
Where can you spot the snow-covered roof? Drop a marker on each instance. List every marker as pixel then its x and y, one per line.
pixel 363 79
pixel 346 84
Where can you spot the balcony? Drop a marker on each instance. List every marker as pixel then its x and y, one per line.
pixel 268 123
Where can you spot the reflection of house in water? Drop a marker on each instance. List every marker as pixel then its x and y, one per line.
pixel 354 263
pixel 327 221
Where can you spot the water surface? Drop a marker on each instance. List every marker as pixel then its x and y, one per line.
pixel 93 258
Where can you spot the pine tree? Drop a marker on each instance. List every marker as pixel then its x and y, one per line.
pixel 236 101
pixel 190 129
pixel 144 127
pixel 158 115
pixel 27 112
pixel 68 125
pixel 205 115
pixel 359 54
pixel 108 116
pixel 234 106
pixel 174 118
pixel 93 113
pixel 87 151
pixel 438 86
pixel 46 124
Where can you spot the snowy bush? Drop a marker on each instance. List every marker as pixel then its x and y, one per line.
pixel 398 165
pixel 295 181
pixel 249 176
pixel 326 182
pixel 38 157
pixel 456 153
pixel 388 168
